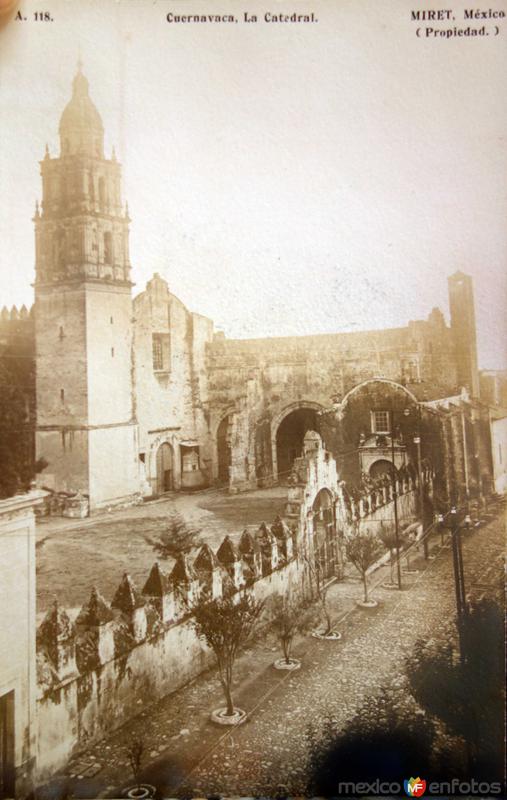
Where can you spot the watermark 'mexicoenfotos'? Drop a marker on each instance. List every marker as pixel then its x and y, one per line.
pixel 417 787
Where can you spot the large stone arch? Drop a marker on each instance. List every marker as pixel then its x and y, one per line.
pixel 217 422
pixel 276 422
pixel 386 381
pixel 354 438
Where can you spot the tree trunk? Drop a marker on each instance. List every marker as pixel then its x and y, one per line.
pixel 228 699
pixel 391 566
pixel 326 615
pixel 328 625
pixel 310 580
pixel 225 672
pixel 365 582
pixel 286 650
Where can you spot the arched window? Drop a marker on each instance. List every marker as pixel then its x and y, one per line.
pixel 108 248
pixel 102 192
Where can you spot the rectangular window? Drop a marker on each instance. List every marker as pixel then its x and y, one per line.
pixel 158 358
pixel 161 352
pixel 410 371
pixel 380 422
pixel 189 459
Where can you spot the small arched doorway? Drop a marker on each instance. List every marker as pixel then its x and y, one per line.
pixel 224 457
pixel 289 438
pixel 165 468
pixel 381 468
pixel 325 547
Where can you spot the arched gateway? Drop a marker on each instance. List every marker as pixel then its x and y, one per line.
pixel 324 533
pixel 287 434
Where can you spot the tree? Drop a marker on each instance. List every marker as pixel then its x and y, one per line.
pixel 226 624
pixel 288 618
pixel 178 537
pixel 17 467
pixel 467 694
pixel 384 740
pixel 363 549
pixel 135 753
pixel 320 593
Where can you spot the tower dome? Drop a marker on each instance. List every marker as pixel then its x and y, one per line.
pixel 81 129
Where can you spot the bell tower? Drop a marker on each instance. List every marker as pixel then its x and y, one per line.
pixel 86 427
pixel 461 305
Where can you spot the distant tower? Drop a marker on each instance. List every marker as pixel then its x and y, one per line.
pixel 86 426
pixel 461 304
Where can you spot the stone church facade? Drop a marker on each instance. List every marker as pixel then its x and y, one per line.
pixel 139 396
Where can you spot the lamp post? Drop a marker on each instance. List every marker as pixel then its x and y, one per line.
pixel 417 441
pixel 440 523
pixel 459 577
pixel 465 457
pixel 395 503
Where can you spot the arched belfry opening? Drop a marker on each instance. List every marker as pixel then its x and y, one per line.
pixel 289 438
pixel 102 193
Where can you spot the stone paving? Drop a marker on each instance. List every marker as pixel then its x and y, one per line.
pixel 189 756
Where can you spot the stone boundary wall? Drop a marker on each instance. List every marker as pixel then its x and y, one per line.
pixel 96 673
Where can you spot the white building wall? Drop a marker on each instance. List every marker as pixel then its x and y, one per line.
pixel 499 452
pixel 168 401
pixel 114 468
pixel 109 354
pixel 17 631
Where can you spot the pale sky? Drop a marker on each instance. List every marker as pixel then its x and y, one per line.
pixel 285 179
